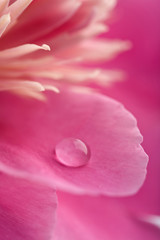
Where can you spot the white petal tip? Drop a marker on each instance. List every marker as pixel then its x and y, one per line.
pixel 7 17
pixel 52 88
pixel 46 47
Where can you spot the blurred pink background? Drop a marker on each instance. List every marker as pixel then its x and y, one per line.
pixel 138 21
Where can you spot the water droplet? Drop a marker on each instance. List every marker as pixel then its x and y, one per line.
pixel 72 152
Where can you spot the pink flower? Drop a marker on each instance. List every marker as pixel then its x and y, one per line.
pixel 135 217
pixel 75 142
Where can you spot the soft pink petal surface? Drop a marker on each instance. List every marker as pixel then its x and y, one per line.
pixel 92 218
pixel 27 209
pixel 30 131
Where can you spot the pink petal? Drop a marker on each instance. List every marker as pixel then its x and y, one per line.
pixel 4 21
pixel 94 50
pixel 30 131
pixel 76 75
pixel 140 92
pixel 22 50
pixel 17 7
pixel 27 209
pixel 92 218
pixel 3 5
pixel 146 109
pixel 39 19
pixel 29 85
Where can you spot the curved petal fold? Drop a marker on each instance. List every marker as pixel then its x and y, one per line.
pixel 30 131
